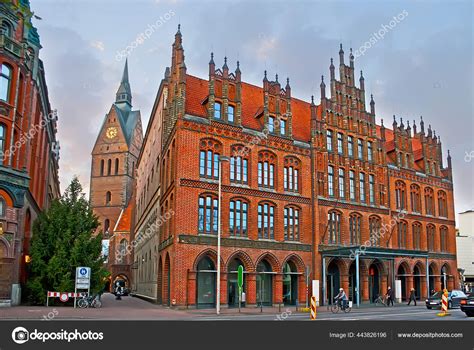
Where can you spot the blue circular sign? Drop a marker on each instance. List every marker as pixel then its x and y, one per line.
pixel 83 271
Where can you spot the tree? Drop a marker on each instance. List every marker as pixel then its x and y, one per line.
pixel 64 238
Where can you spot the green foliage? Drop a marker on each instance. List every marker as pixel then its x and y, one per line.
pixel 64 238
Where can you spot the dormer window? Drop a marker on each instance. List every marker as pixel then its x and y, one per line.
pixel 6 29
pixel 282 127
pixel 230 114
pixel 271 124
pixel 217 110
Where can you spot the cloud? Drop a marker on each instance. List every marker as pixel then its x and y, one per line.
pixel 421 67
pixel 79 90
pixel 99 45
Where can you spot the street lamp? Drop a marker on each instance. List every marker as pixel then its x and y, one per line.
pixel 218 296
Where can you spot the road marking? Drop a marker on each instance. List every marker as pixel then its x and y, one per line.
pixel 372 316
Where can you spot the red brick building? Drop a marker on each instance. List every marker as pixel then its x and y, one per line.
pixel 114 158
pixel 29 149
pixel 305 188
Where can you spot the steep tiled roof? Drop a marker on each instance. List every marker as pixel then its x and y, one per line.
pixel 197 90
pixel 252 102
pixel 125 222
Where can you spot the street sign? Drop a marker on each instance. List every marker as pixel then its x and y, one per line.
pixel 83 272
pixel 83 277
pixel 240 276
pixel 240 282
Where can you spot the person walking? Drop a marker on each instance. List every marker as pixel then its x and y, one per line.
pixel 389 296
pixel 412 296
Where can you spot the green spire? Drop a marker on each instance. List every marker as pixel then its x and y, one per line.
pixel 124 93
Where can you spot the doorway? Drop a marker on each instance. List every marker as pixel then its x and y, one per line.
pixel 332 282
pixel 374 282
pixel 417 281
pixel 264 283
pixel 402 273
pixel 232 285
pixel 290 284
pixel 206 283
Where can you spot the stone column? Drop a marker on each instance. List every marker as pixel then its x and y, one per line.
pixel 191 288
pixel 365 288
pixel 423 291
pixel 302 292
pixel 251 294
pixel 223 290
pixel 437 283
pixel 384 284
pixel 409 282
pixel 277 289
pixel 344 284
pixel 450 282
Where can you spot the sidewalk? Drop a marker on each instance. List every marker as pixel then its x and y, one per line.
pixel 253 310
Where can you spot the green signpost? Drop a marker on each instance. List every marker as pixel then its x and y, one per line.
pixel 240 282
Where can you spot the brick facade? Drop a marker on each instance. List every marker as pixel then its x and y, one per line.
pixel 29 153
pixel 294 217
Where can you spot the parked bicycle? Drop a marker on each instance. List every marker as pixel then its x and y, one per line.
pixel 380 301
pixel 343 305
pixel 89 301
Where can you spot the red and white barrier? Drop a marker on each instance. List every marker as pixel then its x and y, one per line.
pixel 63 296
pixel 444 304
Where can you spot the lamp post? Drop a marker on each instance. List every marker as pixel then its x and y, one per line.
pixel 218 293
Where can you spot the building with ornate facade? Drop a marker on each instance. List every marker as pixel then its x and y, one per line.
pixel 29 148
pixel 309 192
pixel 114 158
pixel 465 248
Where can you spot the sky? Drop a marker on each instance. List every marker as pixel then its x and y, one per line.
pixel 418 64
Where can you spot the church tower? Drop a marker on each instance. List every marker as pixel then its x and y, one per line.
pixel 114 158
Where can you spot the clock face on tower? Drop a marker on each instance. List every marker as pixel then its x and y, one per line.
pixel 111 132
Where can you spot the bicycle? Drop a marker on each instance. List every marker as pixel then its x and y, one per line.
pixel 380 301
pixel 335 308
pixel 89 301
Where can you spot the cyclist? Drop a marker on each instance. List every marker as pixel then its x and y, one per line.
pixel 341 298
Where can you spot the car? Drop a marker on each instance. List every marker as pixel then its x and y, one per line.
pixel 454 299
pixel 467 306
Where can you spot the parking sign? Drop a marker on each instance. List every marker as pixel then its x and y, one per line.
pixel 83 277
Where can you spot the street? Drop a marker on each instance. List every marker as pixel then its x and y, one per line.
pixel 132 308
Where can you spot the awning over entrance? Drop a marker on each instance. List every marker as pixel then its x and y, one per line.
pixel 357 252
pixel 369 252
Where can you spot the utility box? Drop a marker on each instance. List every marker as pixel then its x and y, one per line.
pixel 398 291
pixel 315 290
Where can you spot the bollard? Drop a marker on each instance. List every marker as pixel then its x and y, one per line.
pixel 444 304
pixel 313 308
